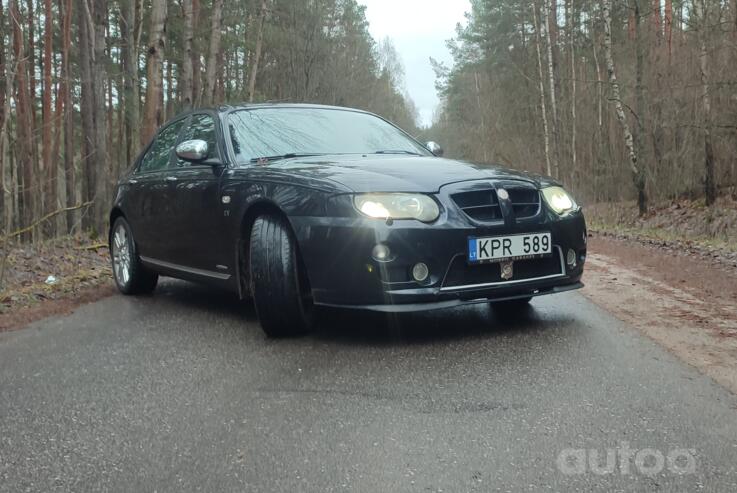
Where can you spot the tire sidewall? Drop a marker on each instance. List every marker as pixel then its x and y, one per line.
pixel 304 310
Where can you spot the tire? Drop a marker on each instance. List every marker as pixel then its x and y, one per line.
pixel 279 285
pixel 130 275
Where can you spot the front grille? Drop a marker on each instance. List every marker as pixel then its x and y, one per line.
pixel 525 201
pixel 462 273
pixel 481 205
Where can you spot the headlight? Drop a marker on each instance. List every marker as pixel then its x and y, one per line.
pixel 397 206
pixel 559 200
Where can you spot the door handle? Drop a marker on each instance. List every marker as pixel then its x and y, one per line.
pixel 132 181
pixel 171 178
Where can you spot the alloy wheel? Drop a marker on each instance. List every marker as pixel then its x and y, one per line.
pixel 121 256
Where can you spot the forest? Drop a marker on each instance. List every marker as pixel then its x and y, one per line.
pixel 620 100
pixel 84 84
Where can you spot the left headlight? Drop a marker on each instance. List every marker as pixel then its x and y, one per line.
pixel 397 206
pixel 559 200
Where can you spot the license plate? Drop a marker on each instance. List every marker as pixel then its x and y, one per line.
pixel 513 247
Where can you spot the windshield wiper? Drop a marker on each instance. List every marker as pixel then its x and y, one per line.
pixel 398 151
pixel 285 156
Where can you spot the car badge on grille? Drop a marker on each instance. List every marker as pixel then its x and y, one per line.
pixel 502 194
pixel 507 269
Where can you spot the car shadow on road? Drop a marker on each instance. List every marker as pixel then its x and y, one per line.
pixel 353 327
pixel 474 321
pixel 207 299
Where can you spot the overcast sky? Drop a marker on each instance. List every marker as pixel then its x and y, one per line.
pixel 419 29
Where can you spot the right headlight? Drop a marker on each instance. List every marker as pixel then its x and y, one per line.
pixel 397 206
pixel 559 200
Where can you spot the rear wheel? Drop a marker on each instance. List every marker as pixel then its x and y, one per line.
pixel 279 285
pixel 130 275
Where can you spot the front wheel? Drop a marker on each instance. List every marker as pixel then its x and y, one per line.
pixel 281 292
pixel 130 275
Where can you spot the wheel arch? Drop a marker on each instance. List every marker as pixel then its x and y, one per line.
pixel 115 213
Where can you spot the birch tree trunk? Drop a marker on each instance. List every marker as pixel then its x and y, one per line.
pixel 169 101
pixel 153 113
pixel 596 149
pixel 212 56
pixel 480 109
pixel 619 107
pixel 599 81
pixel 187 91
pixel 700 12
pixel 546 136
pixel 551 79
pixel 257 52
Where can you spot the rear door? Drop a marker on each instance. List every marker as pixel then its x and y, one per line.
pixel 151 225
pixel 196 204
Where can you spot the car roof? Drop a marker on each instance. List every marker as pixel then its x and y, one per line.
pixel 225 108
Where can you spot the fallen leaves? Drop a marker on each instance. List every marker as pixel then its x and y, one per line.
pixel 73 263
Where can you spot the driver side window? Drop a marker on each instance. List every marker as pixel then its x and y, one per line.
pixel 159 154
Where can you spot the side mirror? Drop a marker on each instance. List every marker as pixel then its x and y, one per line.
pixel 193 151
pixel 435 148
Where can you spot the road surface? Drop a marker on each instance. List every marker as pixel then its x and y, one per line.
pixel 182 392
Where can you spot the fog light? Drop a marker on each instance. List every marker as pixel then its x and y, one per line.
pixel 381 253
pixel 571 258
pixel 420 272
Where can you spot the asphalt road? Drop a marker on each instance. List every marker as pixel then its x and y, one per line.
pixel 181 391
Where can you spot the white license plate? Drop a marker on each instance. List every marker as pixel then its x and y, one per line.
pixel 513 247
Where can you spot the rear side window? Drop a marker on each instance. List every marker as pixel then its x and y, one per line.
pixel 158 155
pixel 201 127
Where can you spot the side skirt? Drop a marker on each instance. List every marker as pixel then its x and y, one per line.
pixel 184 271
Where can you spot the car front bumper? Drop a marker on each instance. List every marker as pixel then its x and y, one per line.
pixel 337 253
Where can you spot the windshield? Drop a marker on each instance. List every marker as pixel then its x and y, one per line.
pixel 289 132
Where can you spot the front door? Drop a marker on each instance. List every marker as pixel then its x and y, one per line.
pixel 150 202
pixel 197 211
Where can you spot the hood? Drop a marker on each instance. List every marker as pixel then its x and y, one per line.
pixel 393 173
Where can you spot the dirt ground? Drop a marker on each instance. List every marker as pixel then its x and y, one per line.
pixel 51 278
pixel 686 303
pixel 684 222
